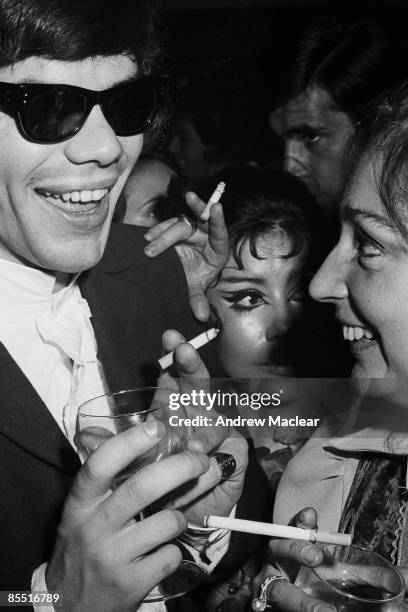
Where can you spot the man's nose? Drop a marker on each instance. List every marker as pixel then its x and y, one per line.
pixel 95 142
pixel 329 282
pixel 295 159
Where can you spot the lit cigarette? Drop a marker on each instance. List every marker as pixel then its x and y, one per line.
pixel 216 196
pixel 277 531
pixel 197 342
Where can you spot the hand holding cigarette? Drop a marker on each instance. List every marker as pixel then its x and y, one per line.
pixel 277 531
pixel 197 342
pixel 214 199
pixel 203 253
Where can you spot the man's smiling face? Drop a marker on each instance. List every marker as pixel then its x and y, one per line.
pixel 57 200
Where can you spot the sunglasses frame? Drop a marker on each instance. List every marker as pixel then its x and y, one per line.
pixel 15 99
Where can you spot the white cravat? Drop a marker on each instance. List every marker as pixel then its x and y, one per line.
pixel 50 337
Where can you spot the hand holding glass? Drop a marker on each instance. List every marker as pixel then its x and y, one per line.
pixel 351 578
pixel 108 415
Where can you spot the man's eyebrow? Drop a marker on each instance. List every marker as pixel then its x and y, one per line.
pixel 303 128
pixel 350 214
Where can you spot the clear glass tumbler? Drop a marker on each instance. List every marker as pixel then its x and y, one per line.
pixel 353 579
pixel 108 415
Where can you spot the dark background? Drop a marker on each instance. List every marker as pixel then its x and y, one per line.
pixel 238 53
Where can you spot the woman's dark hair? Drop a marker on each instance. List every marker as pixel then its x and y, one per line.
pixel 73 30
pixel 354 64
pixel 255 202
pixel 383 139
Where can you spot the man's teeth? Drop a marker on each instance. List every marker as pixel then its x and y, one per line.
pixel 356 333
pixel 78 196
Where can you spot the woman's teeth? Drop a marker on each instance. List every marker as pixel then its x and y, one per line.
pixel 84 197
pixel 353 334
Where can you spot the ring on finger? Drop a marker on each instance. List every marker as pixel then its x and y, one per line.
pixel 190 222
pixel 226 463
pixel 261 603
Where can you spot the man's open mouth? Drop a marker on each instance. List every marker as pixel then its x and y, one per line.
pixel 83 201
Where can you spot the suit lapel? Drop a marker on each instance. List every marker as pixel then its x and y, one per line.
pixel 120 299
pixel 25 419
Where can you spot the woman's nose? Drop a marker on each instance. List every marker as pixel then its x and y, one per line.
pixel 329 282
pixel 280 321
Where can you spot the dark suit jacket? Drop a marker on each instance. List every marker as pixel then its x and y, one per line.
pixel 133 299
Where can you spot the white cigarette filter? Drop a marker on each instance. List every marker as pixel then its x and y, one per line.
pixel 216 196
pixel 196 342
pixel 277 531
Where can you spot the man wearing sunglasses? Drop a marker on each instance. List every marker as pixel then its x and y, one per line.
pixel 83 310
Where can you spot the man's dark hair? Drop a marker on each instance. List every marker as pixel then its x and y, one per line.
pixel 73 30
pixel 354 64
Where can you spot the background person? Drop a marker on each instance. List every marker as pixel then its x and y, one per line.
pixel 147 182
pixel 337 72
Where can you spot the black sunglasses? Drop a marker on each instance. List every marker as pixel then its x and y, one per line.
pixel 48 114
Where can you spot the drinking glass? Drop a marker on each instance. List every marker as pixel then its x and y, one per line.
pixel 353 579
pixel 105 416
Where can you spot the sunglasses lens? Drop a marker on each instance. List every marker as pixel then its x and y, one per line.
pixel 55 115
pixel 131 108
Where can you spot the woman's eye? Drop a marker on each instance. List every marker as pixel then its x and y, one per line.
pixel 367 247
pixel 245 300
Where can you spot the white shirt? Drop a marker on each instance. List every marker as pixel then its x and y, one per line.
pixel 50 337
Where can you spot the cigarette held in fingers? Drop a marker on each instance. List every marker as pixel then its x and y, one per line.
pixel 196 342
pixel 216 196
pixel 277 531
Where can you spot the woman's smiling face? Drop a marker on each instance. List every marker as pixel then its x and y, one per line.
pixel 258 306
pixel 366 277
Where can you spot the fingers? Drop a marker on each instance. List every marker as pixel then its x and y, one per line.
pixel 203 484
pixel 151 570
pixel 218 234
pixel 150 483
pixel 158 229
pixel 159 565
pixel 95 477
pixel 199 303
pixel 299 551
pixel 142 537
pixel 291 599
pixel 160 241
pixel 192 371
pixel 194 203
pixel 213 476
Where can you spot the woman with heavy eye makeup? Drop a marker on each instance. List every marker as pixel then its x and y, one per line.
pixel 269 340
pixel 351 476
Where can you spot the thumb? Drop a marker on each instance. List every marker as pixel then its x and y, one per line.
pixel 306 519
pixel 199 304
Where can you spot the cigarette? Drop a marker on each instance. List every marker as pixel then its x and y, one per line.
pixel 196 342
pixel 277 531
pixel 216 196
